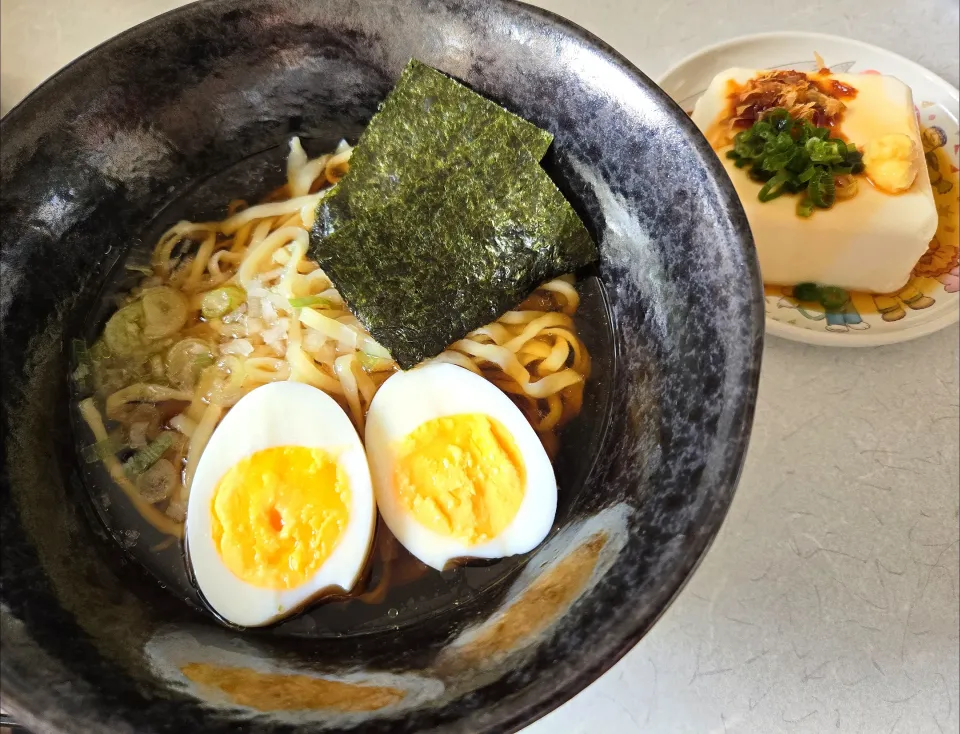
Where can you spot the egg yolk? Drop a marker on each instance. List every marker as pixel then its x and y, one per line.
pixel 278 514
pixel 461 476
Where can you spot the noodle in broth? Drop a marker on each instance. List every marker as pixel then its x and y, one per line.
pixel 228 306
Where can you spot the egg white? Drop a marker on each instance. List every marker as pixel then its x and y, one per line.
pixel 278 414
pixel 407 400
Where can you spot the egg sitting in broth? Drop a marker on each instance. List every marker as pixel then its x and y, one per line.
pixel 281 508
pixel 457 469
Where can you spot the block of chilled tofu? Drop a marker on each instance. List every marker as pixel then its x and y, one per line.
pixel 870 242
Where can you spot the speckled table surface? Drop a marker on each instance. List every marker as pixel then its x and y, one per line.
pixel 829 601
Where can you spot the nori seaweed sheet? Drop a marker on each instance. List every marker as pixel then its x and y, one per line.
pixel 423 121
pixel 452 252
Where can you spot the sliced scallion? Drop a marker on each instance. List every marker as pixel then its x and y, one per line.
pixel 100 450
pixel 220 302
pixel 149 455
pixel 822 190
pixel 805 207
pixel 785 155
pixel 311 302
pixel 373 363
pixel 774 187
pixel 84 365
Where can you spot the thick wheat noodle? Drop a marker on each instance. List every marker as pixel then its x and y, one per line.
pixel 546 321
pixel 458 358
pixel 555 411
pixel 581 359
pixel 198 441
pixel 231 257
pixel 302 368
pixel 512 318
pixel 275 209
pixel 172 237
pixel 260 232
pixel 261 370
pixel 290 275
pixel 198 403
pixel 507 361
pixel 309 174
pixel 262 251
pixel 200 261
pixel 556 359
pixel 282 257
pixel 535 349
pixel 497 333
pixel 318 280
pixel 569 293
pixel 365 383
pixel 239 243
pixel 343 367
pixel 335 162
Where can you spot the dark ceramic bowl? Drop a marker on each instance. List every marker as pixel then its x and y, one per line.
pixel 173 115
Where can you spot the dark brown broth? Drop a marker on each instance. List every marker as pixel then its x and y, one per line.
pixel 396 590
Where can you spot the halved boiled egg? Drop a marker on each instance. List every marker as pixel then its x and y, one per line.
pixel 281 508
pixel 457 470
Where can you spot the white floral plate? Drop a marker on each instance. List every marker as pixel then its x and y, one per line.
pixel 931 299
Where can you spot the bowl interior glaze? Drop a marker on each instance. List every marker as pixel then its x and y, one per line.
pixel 130 136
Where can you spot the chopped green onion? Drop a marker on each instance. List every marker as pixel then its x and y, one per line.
pixel 748 145
pixel 220 302
pixel 764 130
pixel 759 175
pixel 833 298
pixel 84 368
pixel 779 118
pixel 164 312
pixel 778 152
pixel 800 163
pixel 841 145
pixel 854 160
pixel 371 347
pixel 795 157
pixel 101 450
pixel 123 333
pixel 186 360
pixel 821 151
pixel 372 363
pixel 202 361
pixel 822 190
pixel 774 187
pixel 805 207
pixel 311 302
pixel 149 455
pixel 806 292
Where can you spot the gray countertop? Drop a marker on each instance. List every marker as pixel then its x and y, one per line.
pixel 829 601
